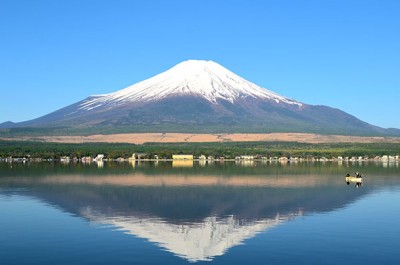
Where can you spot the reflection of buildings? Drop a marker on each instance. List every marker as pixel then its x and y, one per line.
pixel 100 163
pixel 132 163
pixel 245 163
pixel 182 163
pixel 201 241
pixel 202 162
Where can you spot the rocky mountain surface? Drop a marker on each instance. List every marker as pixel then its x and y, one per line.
pixel 200 96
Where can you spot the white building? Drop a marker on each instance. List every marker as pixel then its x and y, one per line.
pixel 99 158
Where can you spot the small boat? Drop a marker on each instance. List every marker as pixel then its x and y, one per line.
pixel 353 179
pixel 357 179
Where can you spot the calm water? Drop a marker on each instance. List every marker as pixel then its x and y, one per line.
pixel 183 213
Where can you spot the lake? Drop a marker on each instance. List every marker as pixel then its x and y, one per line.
pixel 203 213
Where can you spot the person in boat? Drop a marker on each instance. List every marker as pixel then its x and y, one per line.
pixel 358 175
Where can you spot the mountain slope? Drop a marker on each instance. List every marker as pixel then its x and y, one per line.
pixel 200 96
pixel 205 79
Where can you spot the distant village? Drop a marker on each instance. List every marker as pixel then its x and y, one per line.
pixel 203 158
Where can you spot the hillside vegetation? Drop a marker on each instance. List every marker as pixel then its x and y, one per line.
pixel 225 149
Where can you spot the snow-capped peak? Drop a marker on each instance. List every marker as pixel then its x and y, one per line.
pixel 202 78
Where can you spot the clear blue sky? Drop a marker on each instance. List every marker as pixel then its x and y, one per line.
pixel 344 54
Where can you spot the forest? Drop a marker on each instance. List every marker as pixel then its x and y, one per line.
pixel 45 150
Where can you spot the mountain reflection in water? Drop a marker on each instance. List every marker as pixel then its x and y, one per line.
pixel 195 213
pixel 197 241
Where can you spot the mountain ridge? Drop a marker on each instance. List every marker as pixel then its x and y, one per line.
pixel 194 77
pixel 198 96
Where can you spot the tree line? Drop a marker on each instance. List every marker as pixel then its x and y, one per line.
pixel 166 150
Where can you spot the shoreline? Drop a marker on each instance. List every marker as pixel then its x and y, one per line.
pixel 384 159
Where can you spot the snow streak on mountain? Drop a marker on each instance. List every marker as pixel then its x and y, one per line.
pixel 205 79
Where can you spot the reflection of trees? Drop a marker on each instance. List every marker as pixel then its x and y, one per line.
pixel 258 168
pixel 178 203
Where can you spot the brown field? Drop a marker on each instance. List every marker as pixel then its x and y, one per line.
pixel 140 138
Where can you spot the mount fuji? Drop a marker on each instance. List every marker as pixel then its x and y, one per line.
pixel 199 96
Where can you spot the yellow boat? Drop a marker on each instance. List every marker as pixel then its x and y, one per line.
pixel 354 179
pixel 357 179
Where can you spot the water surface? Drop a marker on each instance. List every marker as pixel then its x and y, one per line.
pixel 216 213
